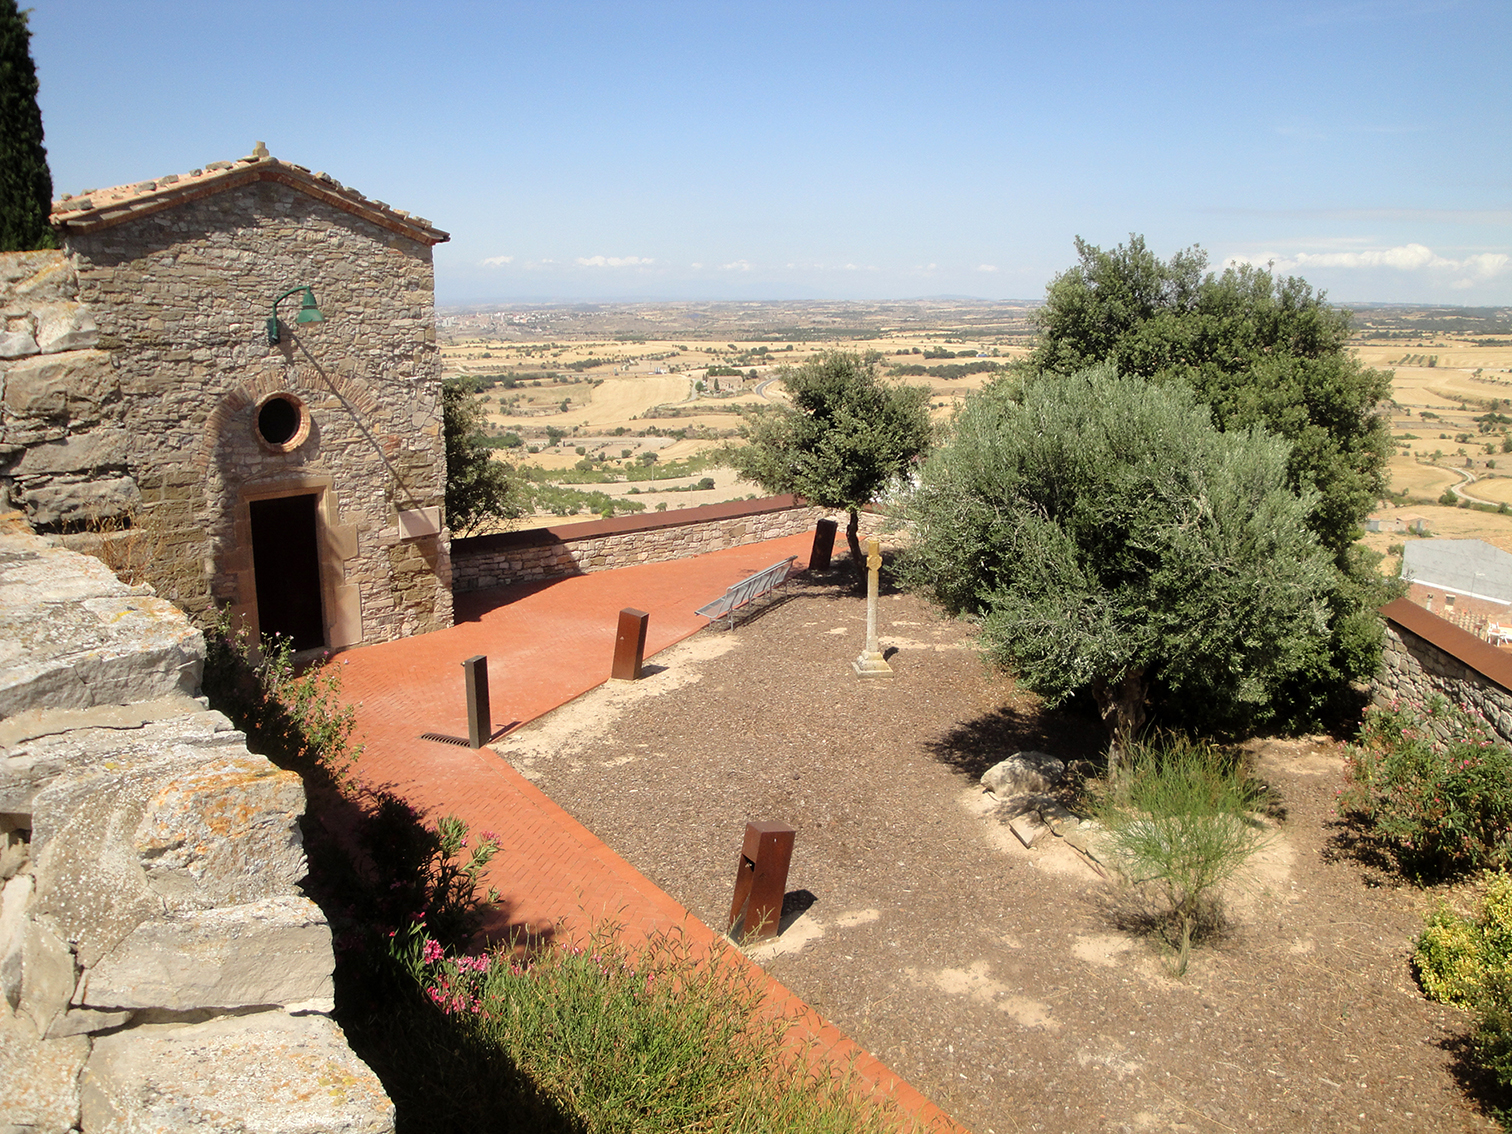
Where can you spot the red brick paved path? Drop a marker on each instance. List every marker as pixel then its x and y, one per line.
pixel 547 644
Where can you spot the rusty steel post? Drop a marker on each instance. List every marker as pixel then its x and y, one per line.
pixel 761 881
pixel 824 545
pixel 479 721
pixel 630 645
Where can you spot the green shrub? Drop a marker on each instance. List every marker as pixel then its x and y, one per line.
pixel 1449 958
pixel 1467 961
pixel 1435 784
pixel 1179 823
pixel 298 721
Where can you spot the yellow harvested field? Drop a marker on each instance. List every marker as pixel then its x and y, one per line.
pixel 620 399
pixel 1420 480
pixel 1497 489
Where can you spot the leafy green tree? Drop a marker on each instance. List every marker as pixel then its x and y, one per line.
pixel 1114 541
pixel 846 436
pixel 25 183
pixel 1258 350
pixel 479 489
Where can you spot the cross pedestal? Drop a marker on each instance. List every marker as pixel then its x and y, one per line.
pixel 871 662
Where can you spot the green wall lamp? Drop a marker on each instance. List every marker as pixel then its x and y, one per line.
pixel 308 312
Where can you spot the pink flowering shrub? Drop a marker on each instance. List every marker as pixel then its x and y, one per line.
pixel 1435 783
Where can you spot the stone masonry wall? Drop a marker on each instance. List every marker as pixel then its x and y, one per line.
pixel 160 969
pixel 146 404
pixel 483 562
pixel 1414 669
pixel 62 447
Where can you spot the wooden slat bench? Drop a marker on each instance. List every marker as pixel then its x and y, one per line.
pixel 747 591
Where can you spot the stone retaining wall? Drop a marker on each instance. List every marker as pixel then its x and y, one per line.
pixel 481 562
pixel 1425 656
pixel 160 968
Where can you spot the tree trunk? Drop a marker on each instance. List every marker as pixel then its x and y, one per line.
pixel 1122 707
pixel 853 538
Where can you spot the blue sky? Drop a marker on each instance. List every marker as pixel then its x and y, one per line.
pixel 580 151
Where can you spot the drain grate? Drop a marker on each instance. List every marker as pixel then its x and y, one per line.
pixel 442 738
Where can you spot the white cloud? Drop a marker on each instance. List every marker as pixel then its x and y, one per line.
pixel 614 261
pixel 987 267
pixel 498 261
pixel 1402 258
pixel 736 266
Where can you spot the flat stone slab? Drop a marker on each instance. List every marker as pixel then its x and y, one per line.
pixel 1089 838
pixel 73 636
pixel 37 748
pixel 268 1073
pixel 1028 828
pixel 272 952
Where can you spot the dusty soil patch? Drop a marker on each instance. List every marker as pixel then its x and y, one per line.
pixel 988 975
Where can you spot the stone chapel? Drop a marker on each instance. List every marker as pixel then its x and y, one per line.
pixel 238 366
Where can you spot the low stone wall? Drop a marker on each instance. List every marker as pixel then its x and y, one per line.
pixel 160 968
pixel 481 562
pixel 1425 655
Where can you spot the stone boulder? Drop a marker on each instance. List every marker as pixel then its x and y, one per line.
pixel 73 636
pixel 273 952
pixel 74 386
pixel 268 1073
pixel 64 325
pixel 39 1082
pixel 162 828
pixel 1023 772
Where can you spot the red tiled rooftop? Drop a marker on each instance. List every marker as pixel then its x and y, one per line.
pixel 100 208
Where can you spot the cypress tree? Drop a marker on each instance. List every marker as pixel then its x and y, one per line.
pixel 25 183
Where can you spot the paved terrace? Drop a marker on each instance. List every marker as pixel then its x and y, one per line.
pixel 547 644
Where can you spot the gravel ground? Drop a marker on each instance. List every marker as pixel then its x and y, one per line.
pixel 993 977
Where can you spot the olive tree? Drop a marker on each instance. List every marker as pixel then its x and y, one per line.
pixel 479 489
pixel 845 437
pixel 1114 541
pixel 1257 349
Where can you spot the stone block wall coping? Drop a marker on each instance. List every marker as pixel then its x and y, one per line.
pixel 1490 662
pixel 621 525
pixel 101 208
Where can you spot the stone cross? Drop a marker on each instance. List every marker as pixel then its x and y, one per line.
pixel 871 662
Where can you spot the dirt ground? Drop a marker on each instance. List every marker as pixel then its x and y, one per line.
pixel 994 977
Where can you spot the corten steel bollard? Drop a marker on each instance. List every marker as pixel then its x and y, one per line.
pixel 761 881
pixel 630 645
pixel 479 722
pixel 824 545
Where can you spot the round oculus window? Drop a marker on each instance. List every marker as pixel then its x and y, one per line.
pixel 282 422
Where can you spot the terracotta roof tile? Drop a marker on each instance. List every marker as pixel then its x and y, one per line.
pixel 100 208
